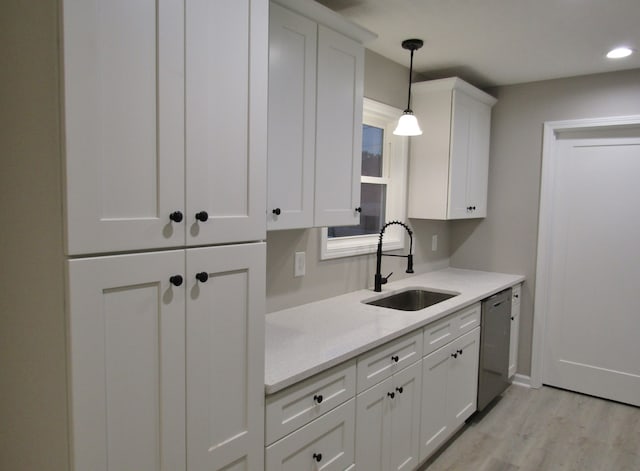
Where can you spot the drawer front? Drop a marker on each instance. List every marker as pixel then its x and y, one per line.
pixel 298 405
pixel 439 333
pixel 516 294
pixel 468 319
pixel 326 444
pixel 387 359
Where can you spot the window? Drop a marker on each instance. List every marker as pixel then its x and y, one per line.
pixel 382 187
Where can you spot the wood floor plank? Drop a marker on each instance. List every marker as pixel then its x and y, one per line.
pixel 545 429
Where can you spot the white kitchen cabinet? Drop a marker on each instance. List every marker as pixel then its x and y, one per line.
pixel 326 444
pixel 338 129
pixel 316 86
pixel 149 118
pixel 292 119
pixel 516 295
pixel 449 162
pixel 449 390
pixel 388 422
pixel 167 373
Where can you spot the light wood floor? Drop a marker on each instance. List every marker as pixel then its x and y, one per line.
pixel 545 429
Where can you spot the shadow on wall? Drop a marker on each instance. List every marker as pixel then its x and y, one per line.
pixel 461 232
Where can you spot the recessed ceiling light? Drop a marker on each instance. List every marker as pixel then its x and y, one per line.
pixel 619 52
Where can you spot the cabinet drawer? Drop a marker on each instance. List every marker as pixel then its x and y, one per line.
pixel 298 405
pixel 516 294
pixel 468 319
pixel 451 327
pixel 439 333
pixel 326 444
pixel 387 359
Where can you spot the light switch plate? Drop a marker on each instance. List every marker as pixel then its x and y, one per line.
pixel 434 242
pixel 299 264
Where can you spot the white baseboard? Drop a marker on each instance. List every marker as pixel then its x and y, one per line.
pixel 521 380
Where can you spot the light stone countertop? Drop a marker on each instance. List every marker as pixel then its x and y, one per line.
pixel 305 340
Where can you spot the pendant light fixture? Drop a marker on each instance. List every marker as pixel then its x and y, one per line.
pixel 408 124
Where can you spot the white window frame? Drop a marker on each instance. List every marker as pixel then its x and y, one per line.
pixel 394 174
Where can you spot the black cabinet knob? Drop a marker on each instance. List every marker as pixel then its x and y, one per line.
pixel 395 358
pixel 468 208
pixel 202 216
pixel 202 277
pixel 276 211
pixel 176 280
pixel 400 389
pixel 460 352
pixel 318 398
pixel 473 207
pixel 176 216
pixel 358 209
pixel 454 355
pixel 317 457
pixel 516 296
pixel 391 394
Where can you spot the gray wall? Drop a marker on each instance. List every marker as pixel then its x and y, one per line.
pixel 385 81
pixel 506 241
pixel 33 424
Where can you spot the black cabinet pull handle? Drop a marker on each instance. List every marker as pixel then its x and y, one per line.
pixel 358 209
pixel 317 457
pixel 400 389
pixel 176 216
pixel 276 211
pixel 395 358
pixel 318 398
pixel 202 277
pixel 391 395
pixel 202 216
pixel 176 280
pixel 454 355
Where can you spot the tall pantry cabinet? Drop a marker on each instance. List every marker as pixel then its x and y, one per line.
pixel 165 106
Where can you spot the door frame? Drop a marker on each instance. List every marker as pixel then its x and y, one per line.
pixel 552 131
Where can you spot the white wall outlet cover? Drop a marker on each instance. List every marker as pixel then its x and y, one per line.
pixel 299 264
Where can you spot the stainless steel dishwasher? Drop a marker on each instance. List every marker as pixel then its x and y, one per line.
pixel 493 377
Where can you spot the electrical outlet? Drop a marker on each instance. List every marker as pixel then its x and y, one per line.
pixel 299 264
pixel 434 242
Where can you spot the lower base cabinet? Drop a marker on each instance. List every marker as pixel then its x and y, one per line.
pixel 449 390
pixel 388 422
pixel 166 360
pixel 325 444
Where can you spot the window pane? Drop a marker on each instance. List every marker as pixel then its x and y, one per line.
pixel 372 142
pixel 373 200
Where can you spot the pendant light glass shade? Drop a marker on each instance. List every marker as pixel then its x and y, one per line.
pixel 408 125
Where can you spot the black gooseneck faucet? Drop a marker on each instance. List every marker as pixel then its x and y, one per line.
pixel 379 280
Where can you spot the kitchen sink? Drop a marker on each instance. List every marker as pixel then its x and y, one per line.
pixel 411 299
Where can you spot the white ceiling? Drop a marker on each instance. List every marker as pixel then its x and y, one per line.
pixel 499 42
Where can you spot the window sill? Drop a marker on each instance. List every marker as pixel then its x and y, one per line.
pixel 357 245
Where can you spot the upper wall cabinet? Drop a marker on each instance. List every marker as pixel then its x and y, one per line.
pixel 449 163
pixel 163 150
pixel 316 84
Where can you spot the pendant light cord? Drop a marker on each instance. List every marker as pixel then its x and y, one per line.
pixel 410 78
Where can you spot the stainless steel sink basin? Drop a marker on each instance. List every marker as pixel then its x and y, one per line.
pixel 411 299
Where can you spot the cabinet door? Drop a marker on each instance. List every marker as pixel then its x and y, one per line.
pixel 326 444
pixel 405 418
pixel 462 388
pixel 292 119
pixel 226 113
pixel 225 357
pixel 373 422
pixel 515 330
pixel 127 354
pixel 338 129
pixel 469 165
pixel 124 122
pixel 434 420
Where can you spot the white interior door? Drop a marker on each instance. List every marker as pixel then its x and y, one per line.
pixel 592 315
